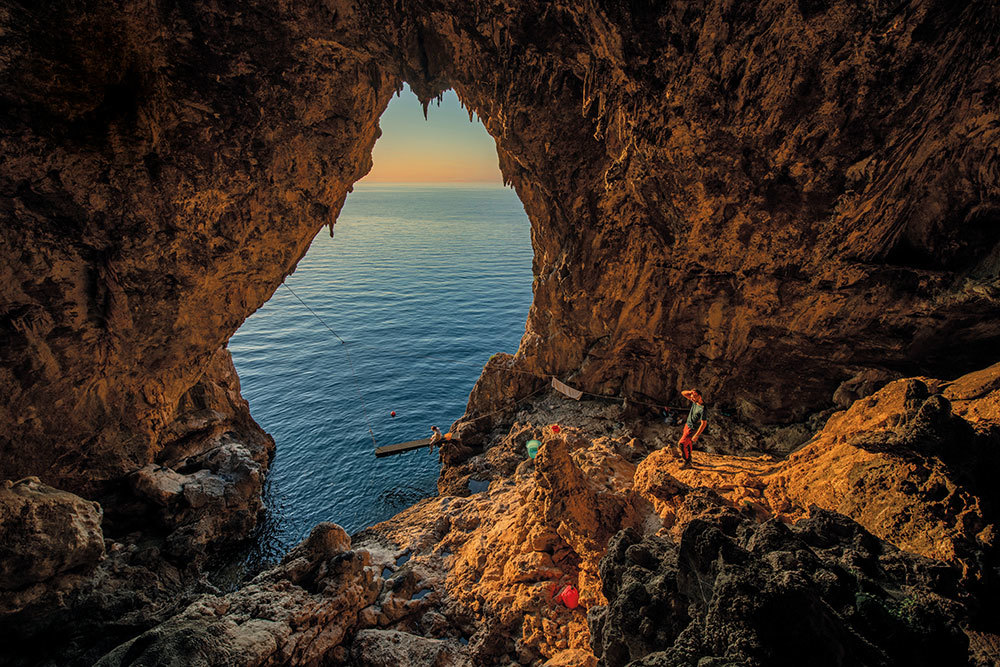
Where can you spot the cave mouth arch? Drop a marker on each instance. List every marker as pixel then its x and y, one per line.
pixel 424 280
pixel 714 191
pixel 191 156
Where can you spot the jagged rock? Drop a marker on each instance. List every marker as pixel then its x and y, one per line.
pixel 864 384
pixel 571 658
pixel 216 503
pixel 76 619
pixel 210 409
pixel 299 612
pixel 903 466
pixel 733 591
pixel 62 598
pixel 898 462
pixel 976 398
pixel 482 568
pixel 762 202
pixel 389 648
pixel 44 534
pixel 500 555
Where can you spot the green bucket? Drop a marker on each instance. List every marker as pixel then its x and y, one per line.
pixel 533 446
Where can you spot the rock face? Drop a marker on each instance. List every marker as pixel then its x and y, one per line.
pixel 718 194
pixel 390 648
pixel 205 487
pixel 45 535
pixel 733 591
pixel 163 171
pixel 163 525
pixel 902 465
pixel 898 462
pixel 739 559
pixel 296 613
pixel 772 201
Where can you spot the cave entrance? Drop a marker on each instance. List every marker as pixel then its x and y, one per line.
pixel 427 275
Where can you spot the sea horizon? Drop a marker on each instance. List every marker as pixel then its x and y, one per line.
pixel 424 282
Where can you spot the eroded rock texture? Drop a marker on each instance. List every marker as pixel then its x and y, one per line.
pixel 771 200
pixel 718 193
pixel 732 591
pixel 67 592
pixel 296 613
pixel 46 535
pixel 204 488
pixel 673 565
pixel 164 168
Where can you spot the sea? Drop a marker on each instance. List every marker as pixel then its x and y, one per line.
pixel 419 286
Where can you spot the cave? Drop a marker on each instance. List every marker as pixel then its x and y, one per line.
pixel 427 275
pixel 790 206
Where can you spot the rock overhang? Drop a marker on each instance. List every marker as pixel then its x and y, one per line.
pixel 737 199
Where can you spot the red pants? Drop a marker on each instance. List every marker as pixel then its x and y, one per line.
pixel 686 443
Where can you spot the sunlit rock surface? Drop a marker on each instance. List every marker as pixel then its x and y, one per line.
pixel 786 204
pixel 738 558
pixel 718 194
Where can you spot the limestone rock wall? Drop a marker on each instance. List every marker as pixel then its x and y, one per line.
pixel 673 565
pixel 164 167
pixel 762 199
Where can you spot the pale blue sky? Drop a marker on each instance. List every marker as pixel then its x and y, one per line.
pixel 444 148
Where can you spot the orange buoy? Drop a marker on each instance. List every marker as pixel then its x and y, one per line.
pixel 392 414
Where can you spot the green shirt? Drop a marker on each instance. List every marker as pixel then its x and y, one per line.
pixel 695 416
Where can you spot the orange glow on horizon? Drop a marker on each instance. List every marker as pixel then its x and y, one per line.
pixel 444 148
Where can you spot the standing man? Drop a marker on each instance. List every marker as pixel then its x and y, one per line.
pixel 696 423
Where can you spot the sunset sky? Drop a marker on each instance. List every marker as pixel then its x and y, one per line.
pixel 444 148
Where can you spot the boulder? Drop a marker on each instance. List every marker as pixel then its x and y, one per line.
pixel 45 533
pixel 391 648
pixel 214 502
pixel 299 612
pixel 735 591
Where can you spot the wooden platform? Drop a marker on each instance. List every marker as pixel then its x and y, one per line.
pixel 389 450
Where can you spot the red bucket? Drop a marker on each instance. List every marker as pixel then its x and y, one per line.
pixel 569 596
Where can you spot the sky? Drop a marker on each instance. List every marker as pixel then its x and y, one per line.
pixel 445 148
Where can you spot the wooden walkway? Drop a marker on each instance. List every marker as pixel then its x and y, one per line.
pixel 389 450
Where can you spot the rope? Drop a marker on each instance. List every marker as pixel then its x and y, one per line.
pixel 364 407
pixel 632 400
pixel 354 374
pixel 520 400
pixel 604 396
pixel 517 370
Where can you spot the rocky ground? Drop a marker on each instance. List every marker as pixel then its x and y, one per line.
pixel 81 576
pixel 776 202
pixel 871 544
pixel 719 193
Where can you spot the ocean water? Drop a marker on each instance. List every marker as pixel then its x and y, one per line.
pixel 423 283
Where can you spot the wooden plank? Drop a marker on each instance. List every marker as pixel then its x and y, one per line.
pixel 389 450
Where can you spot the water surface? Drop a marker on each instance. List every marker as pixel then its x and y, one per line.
pixel 424 283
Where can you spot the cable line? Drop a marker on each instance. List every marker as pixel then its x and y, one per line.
pixel 347 353
pixel 540 376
